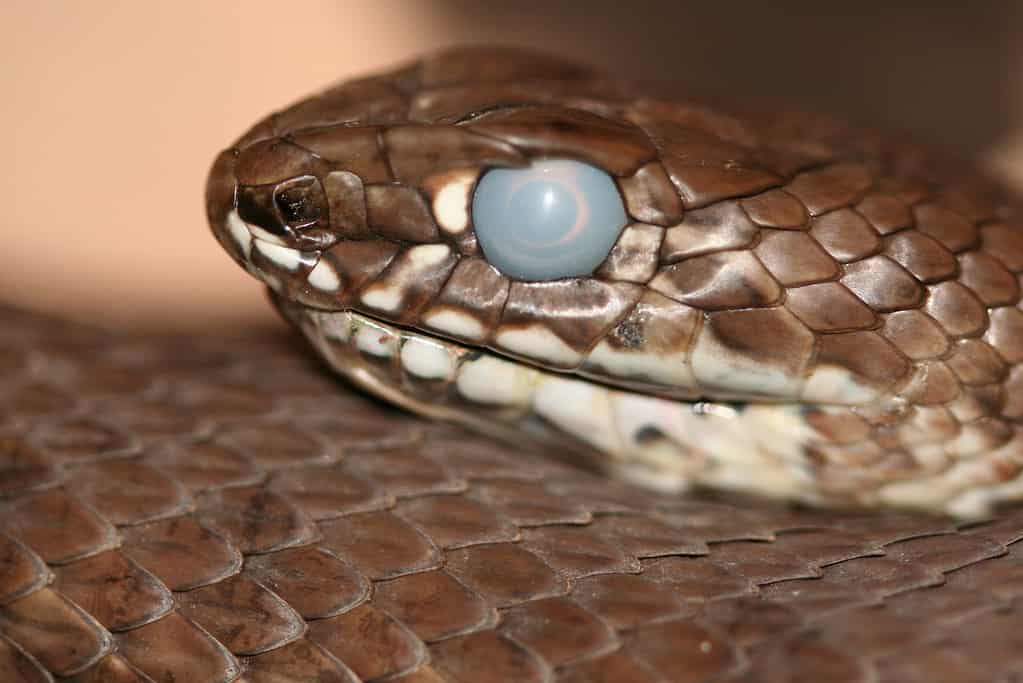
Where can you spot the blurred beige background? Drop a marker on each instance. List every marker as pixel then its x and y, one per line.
pixel 113 111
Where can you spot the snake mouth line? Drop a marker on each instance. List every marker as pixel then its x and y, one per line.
pixel 421 364
pixel 660 443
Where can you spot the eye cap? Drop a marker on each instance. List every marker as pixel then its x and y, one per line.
pixel 556 218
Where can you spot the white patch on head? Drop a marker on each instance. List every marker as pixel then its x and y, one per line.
pixel 718 367
pixel 285 257
pixel 637 364
pixel 382 297
pixel 455 323
pixel 451 203
pixel 324 278
pixel 376 340
pixel 832 384
pixel 489 381
pixel 261 234
pixel 387 297
pixel 427 359
pixel 239 231
pixel 579 408
pixel 428 255
pixel 539 343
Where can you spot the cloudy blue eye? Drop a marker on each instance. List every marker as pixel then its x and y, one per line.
pixel 556 218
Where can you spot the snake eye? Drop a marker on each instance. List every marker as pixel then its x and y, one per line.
pixel 300 201
pixel 556 218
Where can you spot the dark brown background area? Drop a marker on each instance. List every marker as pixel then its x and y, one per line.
pixel 113 113
pixel 946 72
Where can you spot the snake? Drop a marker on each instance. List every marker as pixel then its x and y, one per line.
pixel 757 304
pixel 692 293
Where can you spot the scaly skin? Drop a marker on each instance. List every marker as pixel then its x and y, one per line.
pixel 796 308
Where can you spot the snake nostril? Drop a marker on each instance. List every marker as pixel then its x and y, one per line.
pixel 300 202
pixel 294 210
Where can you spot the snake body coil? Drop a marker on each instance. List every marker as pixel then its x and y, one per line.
pixel 792 306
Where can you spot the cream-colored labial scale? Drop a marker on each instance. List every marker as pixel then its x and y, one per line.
pixel 656 442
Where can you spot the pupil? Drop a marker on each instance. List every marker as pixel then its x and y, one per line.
pixel 547 212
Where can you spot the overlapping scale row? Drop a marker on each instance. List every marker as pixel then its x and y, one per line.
pixel 287 529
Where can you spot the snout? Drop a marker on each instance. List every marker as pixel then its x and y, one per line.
pixel 221 200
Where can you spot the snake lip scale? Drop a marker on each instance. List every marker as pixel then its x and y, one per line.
pixel 792 307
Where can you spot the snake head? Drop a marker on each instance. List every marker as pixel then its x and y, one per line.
pixel 862 300
pixel 413 198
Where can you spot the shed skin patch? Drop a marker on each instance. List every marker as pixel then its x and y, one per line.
pixel 451 202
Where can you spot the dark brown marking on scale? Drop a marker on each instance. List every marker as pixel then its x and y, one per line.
pixel 727 279
pixel 742 334
pixel 866 354
pixel 578 311
pixel 475 288
pixel 720 227
pixel 882 284
pixel 656 324
pixel 829 307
